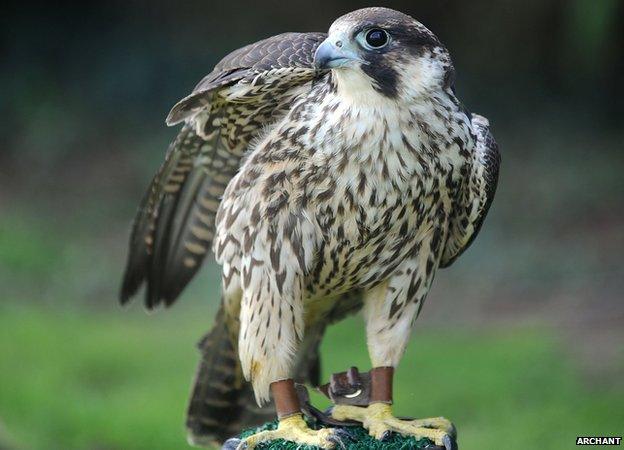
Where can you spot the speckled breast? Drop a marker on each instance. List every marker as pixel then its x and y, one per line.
pixel 365 246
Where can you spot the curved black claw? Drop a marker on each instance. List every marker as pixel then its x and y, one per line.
pixel 386 436
pixel 340 436
pixel 231 444
pixel 449 443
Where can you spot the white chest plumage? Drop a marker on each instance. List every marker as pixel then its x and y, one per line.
pixel 393 169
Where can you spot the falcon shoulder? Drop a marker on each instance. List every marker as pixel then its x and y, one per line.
pixel 247 91
pixel 477 194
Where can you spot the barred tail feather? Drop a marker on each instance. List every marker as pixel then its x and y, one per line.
pixel 222 402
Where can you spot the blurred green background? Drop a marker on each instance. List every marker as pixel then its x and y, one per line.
pixel 520 343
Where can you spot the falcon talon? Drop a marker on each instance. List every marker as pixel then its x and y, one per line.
pixel 231 444
pixel 327 172
pixel 378 419
pixel 337 442
pixel 292 428
pixel 434 447
pixel 449 443
pixel 387 435
pixel 340 436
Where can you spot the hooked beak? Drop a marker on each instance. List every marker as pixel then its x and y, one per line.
pixel 333 55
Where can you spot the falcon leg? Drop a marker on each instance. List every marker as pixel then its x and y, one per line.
pixel 291 425
pixel 271 331
pixel 390 310
pixel 378 419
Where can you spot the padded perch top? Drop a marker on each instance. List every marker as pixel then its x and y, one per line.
pixel 356 439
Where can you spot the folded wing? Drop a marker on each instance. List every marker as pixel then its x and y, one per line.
pixel 477 194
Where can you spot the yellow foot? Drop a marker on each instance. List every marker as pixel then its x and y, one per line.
pixel 377 418
pixel 291 428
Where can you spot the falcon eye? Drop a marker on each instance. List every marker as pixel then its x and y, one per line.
pixel 376 38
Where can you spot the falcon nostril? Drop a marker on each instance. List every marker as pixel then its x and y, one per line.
pixel 338 44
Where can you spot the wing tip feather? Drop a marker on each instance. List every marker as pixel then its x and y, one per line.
pixel 189 106
pixel 174 117
pixel 132 280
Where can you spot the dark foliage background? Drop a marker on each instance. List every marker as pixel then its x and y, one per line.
pixel 522 337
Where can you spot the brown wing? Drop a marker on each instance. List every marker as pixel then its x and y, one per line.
pixel 174 226
pixel 282 55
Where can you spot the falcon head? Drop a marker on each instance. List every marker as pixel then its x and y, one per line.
pixel 384 51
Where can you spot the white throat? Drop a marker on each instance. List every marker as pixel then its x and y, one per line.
pixel 355 87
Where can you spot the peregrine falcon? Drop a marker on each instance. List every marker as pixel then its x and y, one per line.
pixel 329 173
